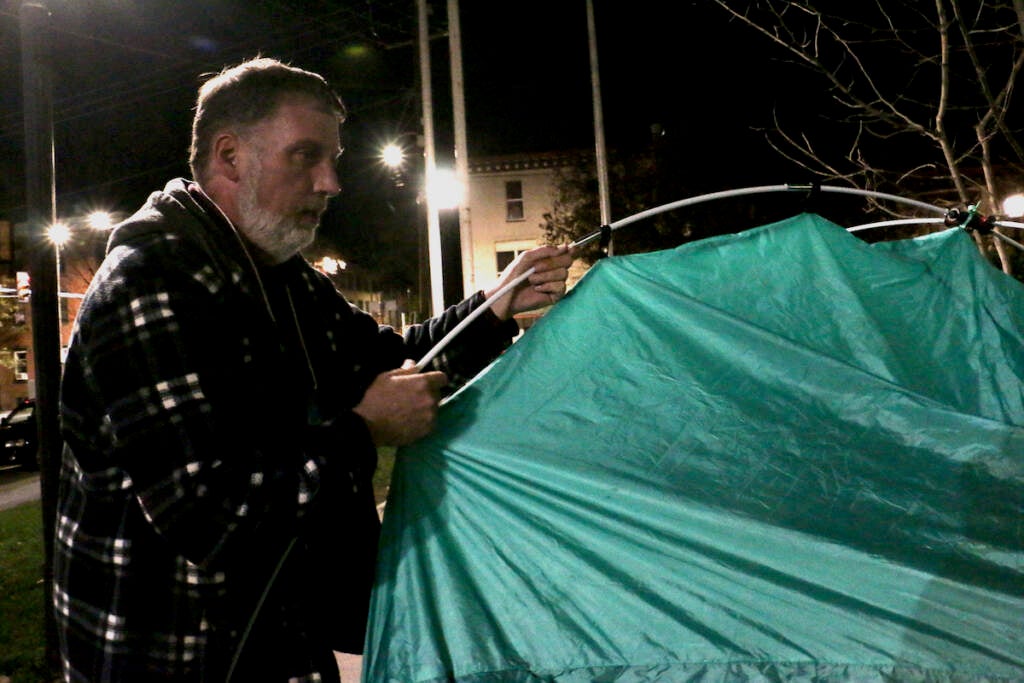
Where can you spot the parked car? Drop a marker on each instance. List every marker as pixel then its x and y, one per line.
pixel 18 436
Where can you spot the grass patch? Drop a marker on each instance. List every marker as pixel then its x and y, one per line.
pixel 22 640
pixel 382 477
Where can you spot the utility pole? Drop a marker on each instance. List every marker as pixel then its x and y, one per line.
pixel 41 203
pixel 430 164
pixel 461 147
pixel 599 143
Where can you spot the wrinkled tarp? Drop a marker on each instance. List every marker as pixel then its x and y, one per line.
pixel 777 455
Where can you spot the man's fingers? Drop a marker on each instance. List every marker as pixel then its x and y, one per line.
pixel 541 277
pixel 436 381
pixel 548 257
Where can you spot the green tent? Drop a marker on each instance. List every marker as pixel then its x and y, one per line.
pixel 779 455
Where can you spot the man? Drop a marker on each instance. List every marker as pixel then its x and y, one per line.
pixel 221 406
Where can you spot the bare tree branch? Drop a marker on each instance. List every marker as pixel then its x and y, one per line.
pixel 940 116
pixel 943 74
pixel 994 118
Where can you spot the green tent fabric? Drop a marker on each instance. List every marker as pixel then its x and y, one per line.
pixel 779 455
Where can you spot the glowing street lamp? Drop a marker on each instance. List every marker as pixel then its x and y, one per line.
pixel 59 234
pixel 396 152
pixel 1013 206
pixel 393 156
pixel 100 220
pixel 445 190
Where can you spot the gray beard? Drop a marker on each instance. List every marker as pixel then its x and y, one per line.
pixel 279 237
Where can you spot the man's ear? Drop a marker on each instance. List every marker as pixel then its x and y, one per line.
pixel 225 157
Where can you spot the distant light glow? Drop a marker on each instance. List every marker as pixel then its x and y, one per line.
pixel 392 155
pixel 330 265
pixel 203 43
pixel 59 233
pixel 1013 206
pixel 445 191
pixel 99 220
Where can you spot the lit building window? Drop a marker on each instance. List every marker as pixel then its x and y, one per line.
pixel 21 365
pixel 506 252
pixel 514 201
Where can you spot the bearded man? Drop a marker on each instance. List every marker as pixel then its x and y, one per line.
pixel 222 404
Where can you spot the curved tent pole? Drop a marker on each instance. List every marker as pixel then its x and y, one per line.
pixel 1004 238
pixel 690 201
pixel 760 189
pixel 896 221
pixel 923 221
pixel 473 315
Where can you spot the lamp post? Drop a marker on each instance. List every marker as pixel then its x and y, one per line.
pixel 442 191
pixel 59 233
pixel 397 155
pixel 40 201
pixel 429 157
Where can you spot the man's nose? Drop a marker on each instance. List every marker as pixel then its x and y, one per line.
pixel 326 181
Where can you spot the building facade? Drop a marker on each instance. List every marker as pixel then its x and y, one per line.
pixel 17 357
pixel 507 198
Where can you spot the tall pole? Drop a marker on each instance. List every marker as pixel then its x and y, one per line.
pixel 599 144
pixel 461 147
pixel 430 164
pixel 41 203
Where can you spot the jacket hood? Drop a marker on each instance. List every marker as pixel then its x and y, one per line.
pixel 181 209
pixel 175 209
pixel 184 210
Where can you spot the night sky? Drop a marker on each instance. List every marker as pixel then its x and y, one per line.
pixel 126 73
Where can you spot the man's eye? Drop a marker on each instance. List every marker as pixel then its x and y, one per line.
pixel 306 157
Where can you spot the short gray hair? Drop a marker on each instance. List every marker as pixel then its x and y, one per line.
pixel 250 92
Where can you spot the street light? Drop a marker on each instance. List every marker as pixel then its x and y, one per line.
pixel 59 233
pixel 404 156
pixel 393 156
pixel 1013 206
pixel 395 152
pixel 100 220
pixel 445 190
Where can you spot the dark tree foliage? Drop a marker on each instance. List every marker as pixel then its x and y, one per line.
pixel 643 180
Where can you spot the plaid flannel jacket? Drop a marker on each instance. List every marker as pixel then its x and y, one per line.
pixel 209 438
